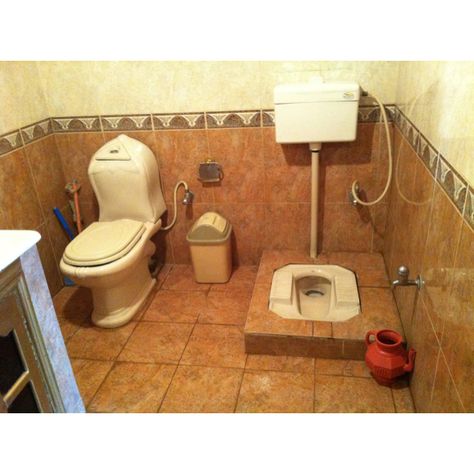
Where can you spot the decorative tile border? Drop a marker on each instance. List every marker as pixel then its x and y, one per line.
pixel 179 121
pixel 469 211
pixel 444 174
pixel 125 123
pixel 76 124
pixel 239 119
pixel 268 118
pixel 10 142
pixel 452 183
pixel 36 131
pixel 371 113
pixel 173 121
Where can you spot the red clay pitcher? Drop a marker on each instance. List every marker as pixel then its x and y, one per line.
pixel 386 357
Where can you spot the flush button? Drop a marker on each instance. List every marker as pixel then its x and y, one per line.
pixel 348 95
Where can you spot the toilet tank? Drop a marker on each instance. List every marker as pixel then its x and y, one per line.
pixel 316 112
pixel 126 180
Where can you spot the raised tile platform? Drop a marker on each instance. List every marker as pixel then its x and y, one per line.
pixel 267 333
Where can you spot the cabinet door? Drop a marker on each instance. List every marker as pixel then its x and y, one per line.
pixel 22 384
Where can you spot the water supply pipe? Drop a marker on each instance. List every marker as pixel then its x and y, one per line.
pixel 73 189
pixel 315 149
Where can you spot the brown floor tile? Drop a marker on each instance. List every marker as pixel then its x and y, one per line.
pixel 73 302
pixel 227 307
pixel 369 267
pixel 203 390
pixel 215 346
pixel 348 368
pixel 181 277
pixel 378 312
pixel 89 375
pixel 176 306
pixel 98 343
pixel 276 392
pixel 402 397
pixel 280 363
pixel 133 388
pixel 162 274
pixel 242 277
pixel 335 394
pixel 156 342
pixel 263 321
pixel 71 325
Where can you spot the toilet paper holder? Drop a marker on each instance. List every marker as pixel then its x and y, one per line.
pixel 210 172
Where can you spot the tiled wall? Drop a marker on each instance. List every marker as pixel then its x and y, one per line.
pixel 21 95
pixel 430 228
pixel 437 96
pixel 31 184
pixel 121 87
pixel 265 192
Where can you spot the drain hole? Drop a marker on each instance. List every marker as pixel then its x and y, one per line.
pixel 314 293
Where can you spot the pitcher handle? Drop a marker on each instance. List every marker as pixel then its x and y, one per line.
pixel 372 332
pixel 408 367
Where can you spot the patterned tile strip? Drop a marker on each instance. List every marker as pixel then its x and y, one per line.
pixel 76 124
pixel 126 123
pixel 445 175
pixel 135 122
pixel 469 211
pixel 179 121
pixel 240 119
pixel 36 131
pixel 10 141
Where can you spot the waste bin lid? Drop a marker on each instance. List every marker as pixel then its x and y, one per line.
pixel 209 228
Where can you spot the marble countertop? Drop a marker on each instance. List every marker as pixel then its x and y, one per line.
pixel 14 243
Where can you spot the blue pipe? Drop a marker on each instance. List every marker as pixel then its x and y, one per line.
pixel 63 223
pixel 69 232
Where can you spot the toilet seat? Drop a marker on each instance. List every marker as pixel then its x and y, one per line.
pixel 103 242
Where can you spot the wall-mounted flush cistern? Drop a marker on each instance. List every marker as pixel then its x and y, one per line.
pixel 315 113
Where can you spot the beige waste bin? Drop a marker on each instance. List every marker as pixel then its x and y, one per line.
pixel 209 241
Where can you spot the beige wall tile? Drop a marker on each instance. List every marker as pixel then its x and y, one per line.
pixel 438 98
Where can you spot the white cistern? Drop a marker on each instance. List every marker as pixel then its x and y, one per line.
pixel 316 112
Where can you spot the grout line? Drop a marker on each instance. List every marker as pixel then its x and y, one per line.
pixel 314 385
pixel 240 385
pixel 100 385
pixel 177 365
pixel 434 379
pixel 393 401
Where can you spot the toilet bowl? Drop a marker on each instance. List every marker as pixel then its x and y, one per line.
pixel 111 256
pixel 314 292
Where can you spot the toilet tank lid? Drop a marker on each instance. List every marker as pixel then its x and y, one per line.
pixel 316 92
pixel 120 148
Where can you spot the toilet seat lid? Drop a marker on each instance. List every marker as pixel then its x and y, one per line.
pixel 103 242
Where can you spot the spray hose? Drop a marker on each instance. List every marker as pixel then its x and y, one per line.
pixel 186 188
pixel 355 184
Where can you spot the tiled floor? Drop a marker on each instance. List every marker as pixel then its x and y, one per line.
pixel 186 354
